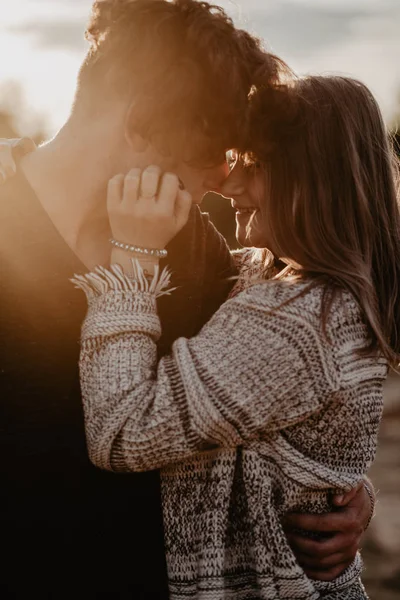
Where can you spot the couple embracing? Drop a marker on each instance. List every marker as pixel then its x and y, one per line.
pixel 231 400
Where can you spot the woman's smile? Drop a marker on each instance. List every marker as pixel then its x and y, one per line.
pixel 243 210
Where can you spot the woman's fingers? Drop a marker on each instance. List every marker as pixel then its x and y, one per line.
pixel 150 183
pixel 115 192
pixel 168 193
pixel 147 209
pixel 132 187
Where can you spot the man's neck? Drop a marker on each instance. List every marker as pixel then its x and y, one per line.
pixel 70 179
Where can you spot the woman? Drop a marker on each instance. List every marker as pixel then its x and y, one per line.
pixel 244 186
pixel 275 405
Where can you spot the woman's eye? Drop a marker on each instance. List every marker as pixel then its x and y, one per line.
pixel 231 159
pixel 254 165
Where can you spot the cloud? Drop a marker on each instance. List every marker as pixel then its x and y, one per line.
pixel 57 34
pixel 294 29
pixel 359 37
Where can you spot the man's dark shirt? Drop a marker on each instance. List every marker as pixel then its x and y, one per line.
pixel 67 527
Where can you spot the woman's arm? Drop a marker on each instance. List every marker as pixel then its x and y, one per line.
pixel 247 373
pixel 253 369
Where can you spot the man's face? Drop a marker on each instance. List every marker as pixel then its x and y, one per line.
pixel 197 180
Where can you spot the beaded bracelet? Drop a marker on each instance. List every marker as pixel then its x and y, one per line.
pixel 139 250
pixel 372 498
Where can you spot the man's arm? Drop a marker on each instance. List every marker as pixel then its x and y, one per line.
pixel 10 151
pixel 202 270
pixel 325 545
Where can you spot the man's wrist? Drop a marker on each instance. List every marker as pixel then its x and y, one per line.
pixel 369 488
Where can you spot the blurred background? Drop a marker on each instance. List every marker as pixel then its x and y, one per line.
pixel 41 48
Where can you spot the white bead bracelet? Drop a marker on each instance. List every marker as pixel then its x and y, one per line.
pixel 139 250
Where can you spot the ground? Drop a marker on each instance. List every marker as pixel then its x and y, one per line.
pixel 381 549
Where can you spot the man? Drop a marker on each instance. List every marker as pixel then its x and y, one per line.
pixel 165 83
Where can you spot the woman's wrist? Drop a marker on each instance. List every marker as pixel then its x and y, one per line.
pixel 124 259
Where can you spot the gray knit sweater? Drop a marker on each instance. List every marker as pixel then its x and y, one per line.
pixel 260 414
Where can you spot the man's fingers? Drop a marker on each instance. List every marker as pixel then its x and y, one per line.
pixel 10 168
pixel 7 162
pixel 340 543
pixel 150 182
pixel 10 151
pixel 23 146
pixel 326 563
pixel 345 499
pixel 326 523
pixel 115 191
pixel 315 564
pixel 328 575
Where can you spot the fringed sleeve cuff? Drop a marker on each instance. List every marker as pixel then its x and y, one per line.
pixel 121 304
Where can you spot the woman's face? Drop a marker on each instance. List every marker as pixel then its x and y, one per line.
pixel 245 186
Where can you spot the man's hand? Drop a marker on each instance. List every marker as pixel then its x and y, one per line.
pixel 10 151
pixel 339 534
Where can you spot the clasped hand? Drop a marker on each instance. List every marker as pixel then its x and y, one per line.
pixel 147 208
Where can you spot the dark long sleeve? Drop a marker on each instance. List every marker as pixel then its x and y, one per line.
pixel 202 269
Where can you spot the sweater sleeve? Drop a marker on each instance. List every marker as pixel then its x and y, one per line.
pixel 248 373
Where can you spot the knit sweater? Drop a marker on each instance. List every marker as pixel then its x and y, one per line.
pixel 264 412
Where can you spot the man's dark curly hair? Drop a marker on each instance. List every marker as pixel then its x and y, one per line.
pixel 187 68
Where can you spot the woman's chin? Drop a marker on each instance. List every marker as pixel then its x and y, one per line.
pixel 242 238
pixel 247 239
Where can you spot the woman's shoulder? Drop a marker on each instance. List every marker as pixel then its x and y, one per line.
pixel 250 258
pixel 252 268
pixel 243 257
pixel 305 300
pixel 306 309
pixel 313 318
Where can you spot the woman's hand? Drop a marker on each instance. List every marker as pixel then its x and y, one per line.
pixel 10 151
pixel 146 209
pixel 340 534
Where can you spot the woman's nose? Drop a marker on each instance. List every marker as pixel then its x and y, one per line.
pixel 216 177
pixel 234 184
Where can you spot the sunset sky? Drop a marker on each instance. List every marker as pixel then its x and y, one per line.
pixel 42 45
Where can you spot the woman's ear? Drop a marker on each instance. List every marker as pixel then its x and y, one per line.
pixel 135 141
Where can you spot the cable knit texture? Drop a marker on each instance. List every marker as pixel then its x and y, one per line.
pixel 260 414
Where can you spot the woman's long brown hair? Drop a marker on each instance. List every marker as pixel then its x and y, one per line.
pixel 332 200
